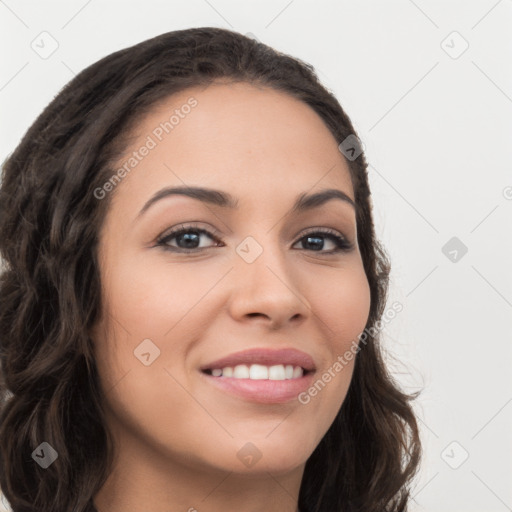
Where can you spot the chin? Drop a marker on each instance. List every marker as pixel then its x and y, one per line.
pixel 272 453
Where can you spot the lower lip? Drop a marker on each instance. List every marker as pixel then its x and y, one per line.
pixel 263 391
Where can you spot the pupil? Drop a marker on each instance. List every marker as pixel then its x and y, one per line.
pixel 189 243
pixel 318 243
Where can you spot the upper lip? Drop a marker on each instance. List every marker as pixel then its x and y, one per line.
pixel 264 356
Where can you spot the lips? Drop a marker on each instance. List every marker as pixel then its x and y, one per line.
pixel 264 356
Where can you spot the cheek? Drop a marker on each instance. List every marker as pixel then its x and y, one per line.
pixel 164 304
pixel 345 309
pixel 149 300
pixel 343 313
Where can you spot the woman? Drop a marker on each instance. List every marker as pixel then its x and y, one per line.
pixel 192 294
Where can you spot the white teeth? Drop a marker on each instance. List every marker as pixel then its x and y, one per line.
pixel 241 372
pixel 297 372
pixel 226 372
pixel 260 372
pixel 276 372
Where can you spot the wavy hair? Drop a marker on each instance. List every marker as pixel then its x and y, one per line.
pixel 50 284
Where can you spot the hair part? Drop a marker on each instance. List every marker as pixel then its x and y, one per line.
pixel 50 288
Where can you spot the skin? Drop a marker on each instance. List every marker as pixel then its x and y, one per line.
pixel 176 435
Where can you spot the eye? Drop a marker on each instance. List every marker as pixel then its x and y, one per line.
pixel 188 240
pixel 315 239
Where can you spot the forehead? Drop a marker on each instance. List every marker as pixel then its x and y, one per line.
pixel 257 142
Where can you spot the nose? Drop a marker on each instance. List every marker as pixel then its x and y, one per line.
pixel 268 291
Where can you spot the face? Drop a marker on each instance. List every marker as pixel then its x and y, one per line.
pixel 261 280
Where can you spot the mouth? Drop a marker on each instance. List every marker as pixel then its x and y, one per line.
pixel 259 372
pixel 262 375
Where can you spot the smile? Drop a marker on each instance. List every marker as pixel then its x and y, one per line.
pixel 259 372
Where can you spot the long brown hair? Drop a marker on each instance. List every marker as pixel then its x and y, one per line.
pixel 50 285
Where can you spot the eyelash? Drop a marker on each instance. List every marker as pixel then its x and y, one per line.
pixel 343 245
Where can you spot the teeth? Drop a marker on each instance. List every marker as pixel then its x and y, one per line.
pixel 297 372
pixel 241 372
pixel 276 372
pixel 260 372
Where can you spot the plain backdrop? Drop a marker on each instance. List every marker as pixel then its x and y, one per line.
pixel 428 86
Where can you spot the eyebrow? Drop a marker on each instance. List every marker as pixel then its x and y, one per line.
pixel 304 202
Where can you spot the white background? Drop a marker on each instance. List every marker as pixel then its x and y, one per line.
pixel 437 128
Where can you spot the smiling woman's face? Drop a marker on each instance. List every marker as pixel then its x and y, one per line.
pixel 263 276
